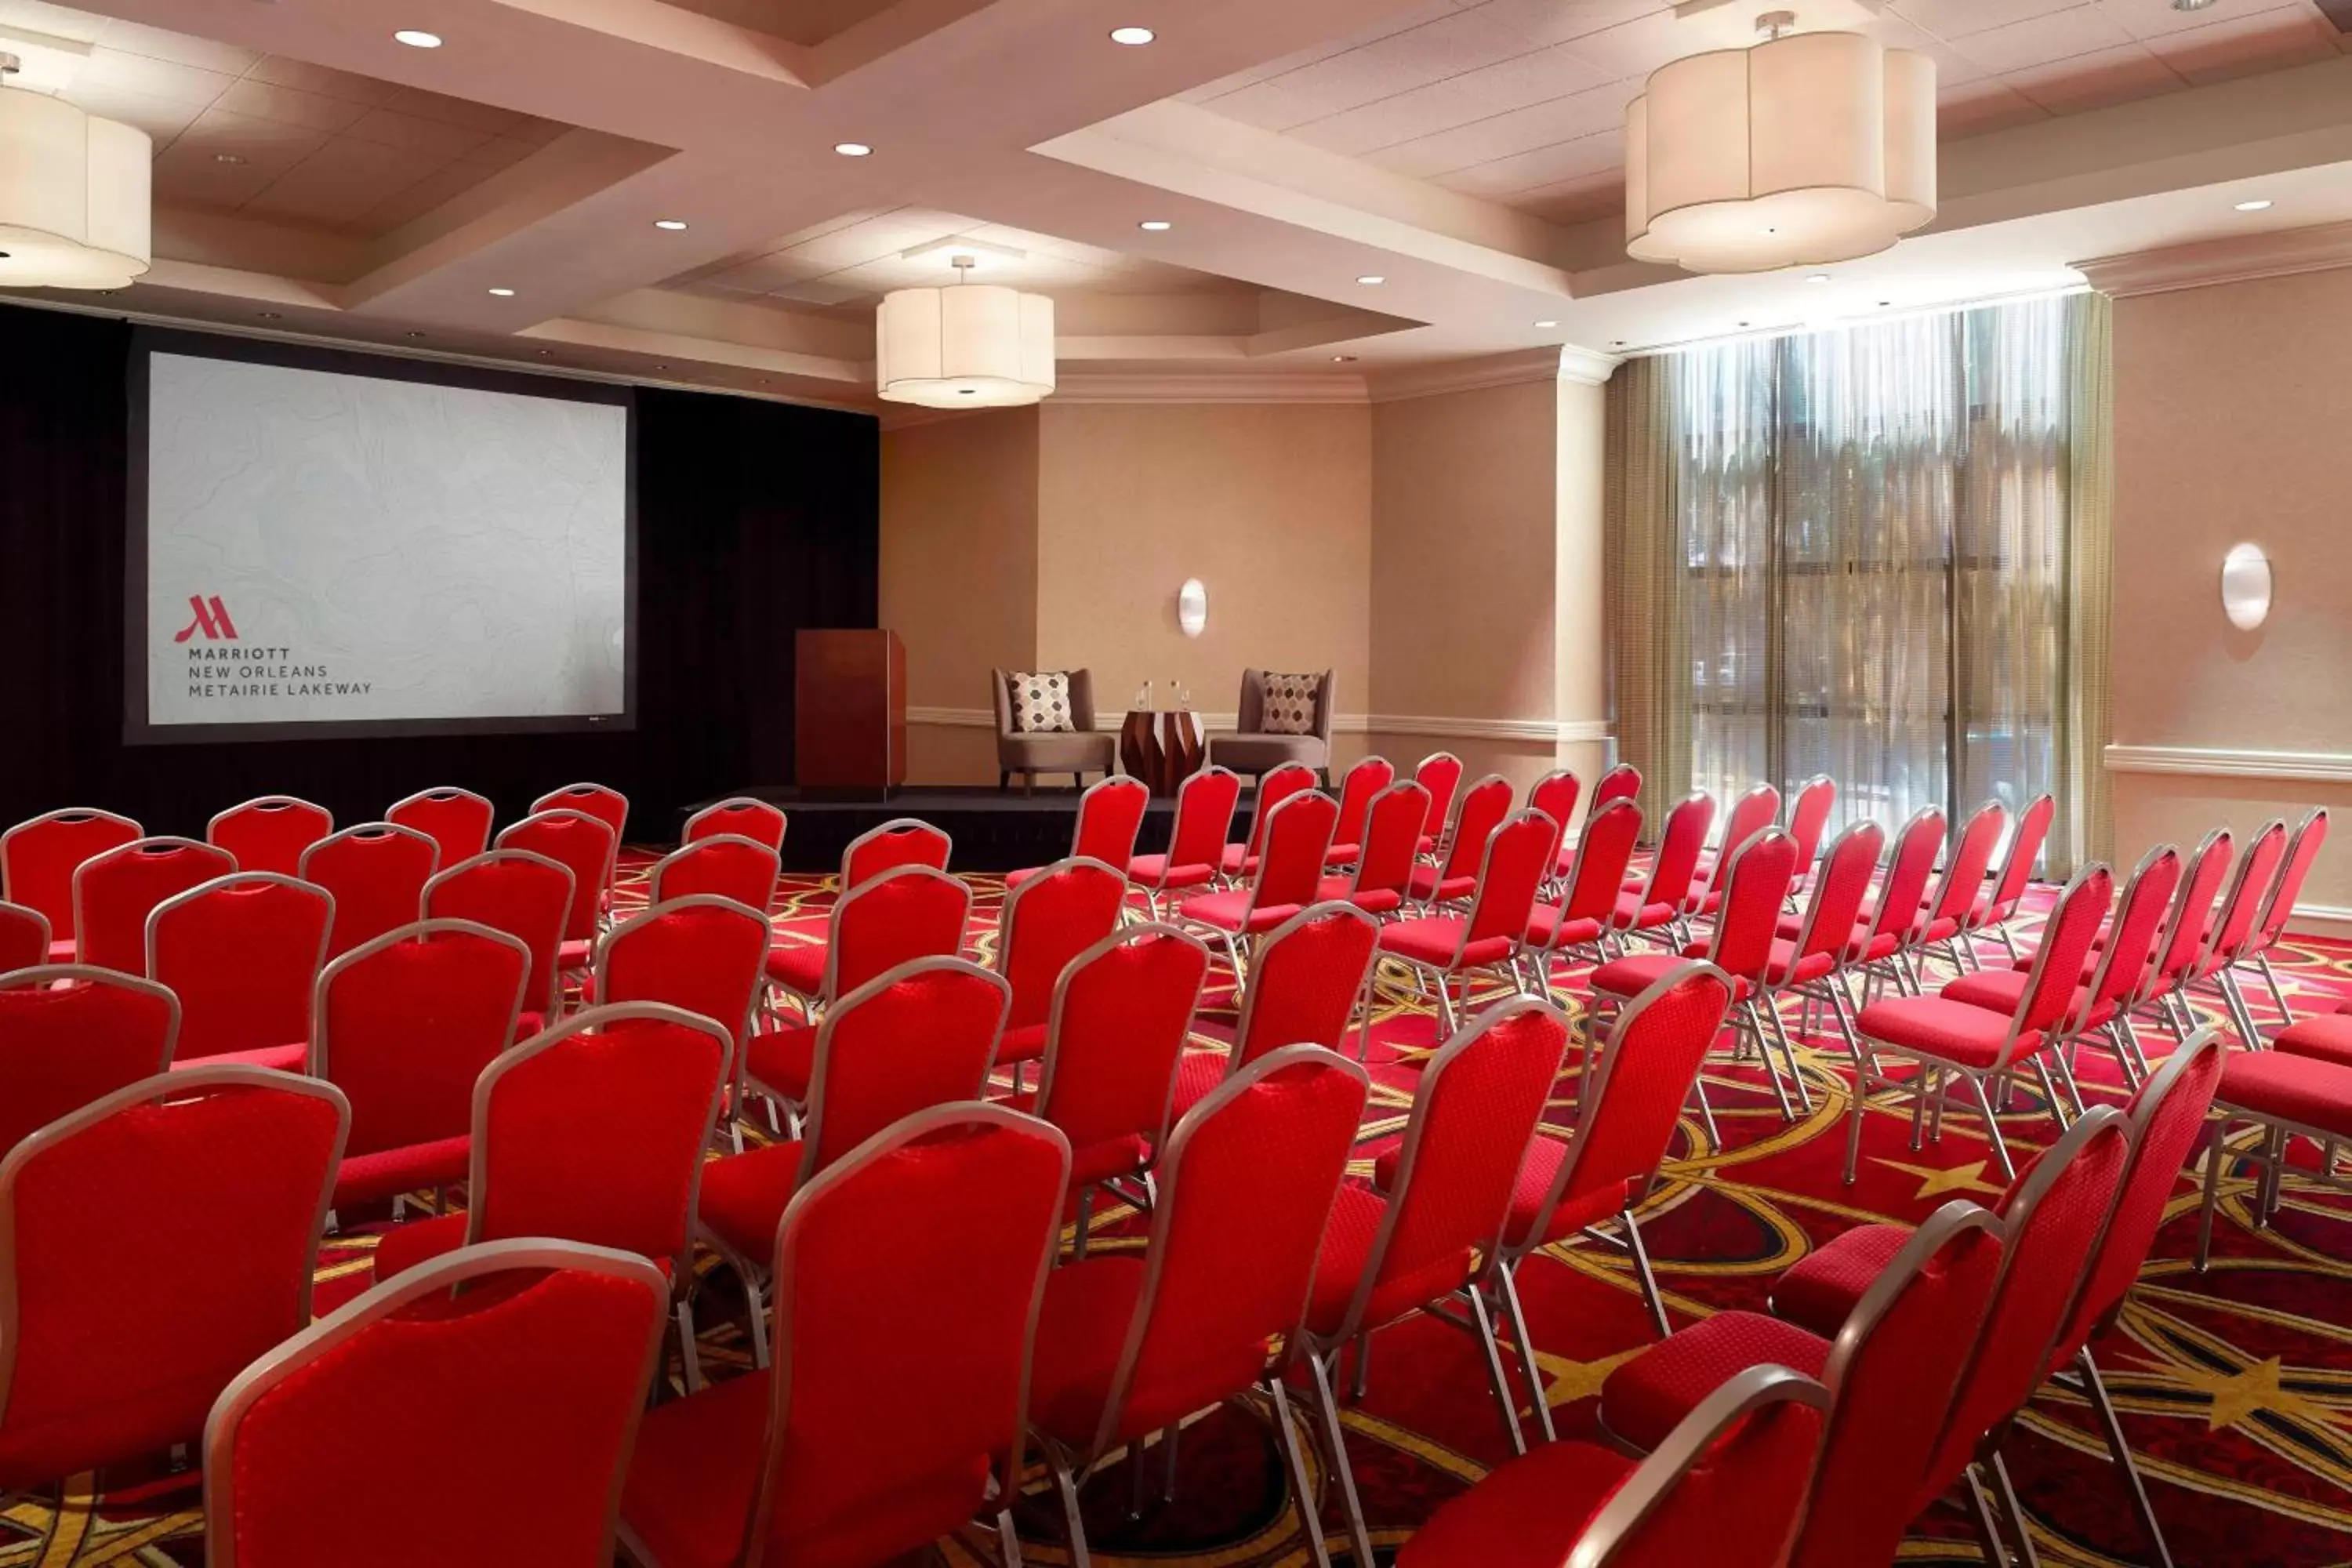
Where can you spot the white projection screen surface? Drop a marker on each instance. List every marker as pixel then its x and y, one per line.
pixel 412 549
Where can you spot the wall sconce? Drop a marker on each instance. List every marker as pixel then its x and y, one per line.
pixel 1192 607
pixel 2246 586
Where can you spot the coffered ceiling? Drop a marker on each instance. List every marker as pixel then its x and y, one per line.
pixel 1341 189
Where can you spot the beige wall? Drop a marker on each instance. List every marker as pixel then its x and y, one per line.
pixel 2233 422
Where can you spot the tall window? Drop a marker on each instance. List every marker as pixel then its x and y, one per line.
pixel 1858 553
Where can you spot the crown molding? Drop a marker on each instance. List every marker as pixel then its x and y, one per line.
pixel 2241 258
pixel 1588 367
pixel 1211 386
pixel 1564 361
pixel 2222 762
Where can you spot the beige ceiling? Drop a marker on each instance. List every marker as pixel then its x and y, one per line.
pixel 1522 102
pixel 796 21
pixel 238 131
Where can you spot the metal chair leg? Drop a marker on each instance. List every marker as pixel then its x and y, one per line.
pixel 2278 993
pixel 689 1353
pixel 1641 1271
pixel 1066 1487
pixel 1788 1054
pixel 2013 1512
pixel 1508 1274
pixel 1302 1485
pixel 1360 1537
pixel 1361 1384
pixel 2215 1148
pixel 1992 1127
pixel 1989 1540
pixel 2096 1388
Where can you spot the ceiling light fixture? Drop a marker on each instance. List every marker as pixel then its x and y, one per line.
pixel 265 315
pixel 1132 37
pixel 503 293
pixel 1806 147
pixel 2193 4
pixel 1155 225
pixel 1546 326
pixel 973 345
pixel 417 38
pixel 1818 278
pixel 2260 205
pixel 74 208
pixel 1343 359
pixel 853 149
pixel 674 225
pixel 1372 280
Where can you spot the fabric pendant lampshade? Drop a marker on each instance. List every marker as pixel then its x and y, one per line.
pixel 1811 148
pixel 74 207
pixel 974 345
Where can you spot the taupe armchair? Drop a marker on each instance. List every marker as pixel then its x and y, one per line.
pixel 1249 750
pixel 1076 753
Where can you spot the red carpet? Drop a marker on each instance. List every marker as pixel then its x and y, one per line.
pixel 2237 1387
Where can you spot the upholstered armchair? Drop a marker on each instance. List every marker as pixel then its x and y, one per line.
pixel 1077 752
pixel 1250 750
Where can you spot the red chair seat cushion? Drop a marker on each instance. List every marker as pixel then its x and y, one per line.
pixel 1636 973
pixel 1231 910
pixel 388 1172
pixel 1530 1513
pixel 1154 871
pixel 1025 1044
pixel 2327 1038
pixel 1080 1333
pixel 1091 1163
pixel 1821 1290
pixel 743 1197
pixel 574 955
pixel 1371 901
pixel 1947 1030
pixel 1427 885
pixel 798 966
pixel 62 951
pixel 278 1058
pixel 404 1246
pixel 1014 878
pixel 1347 1246
pixel 1635 915
pixel 1543 929
pixel 2301 1089
pixel 1433 940
pixel 2000 990
pixel 1644 1399
pixel 1576 1211
pixel 1236 861
pixel 1342 854
pixel 694 1472
pixel 1782 968
pixel 783 1059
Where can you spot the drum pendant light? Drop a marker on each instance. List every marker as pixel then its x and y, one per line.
pixel 974 345
pixel 73 194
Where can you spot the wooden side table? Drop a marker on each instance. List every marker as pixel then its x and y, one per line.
pixel 1162 749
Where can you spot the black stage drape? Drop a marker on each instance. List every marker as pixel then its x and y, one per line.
pixel 754 520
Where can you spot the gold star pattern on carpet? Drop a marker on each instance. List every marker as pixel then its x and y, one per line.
pixel 1566 1381
pixel 2248 1392
pixel 1935 1184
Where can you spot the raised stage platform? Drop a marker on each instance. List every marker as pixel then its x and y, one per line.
pixel 993 830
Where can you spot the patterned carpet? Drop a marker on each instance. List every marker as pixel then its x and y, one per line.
pixel 2237 1386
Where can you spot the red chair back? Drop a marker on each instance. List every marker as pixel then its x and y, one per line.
pixel 594 1131
pixel 581 844
pixel 1894 1363
pixel 1752 812
pixel 242 954
pixel 1285 780
pixel 1392 827
pixel 1631 1100
pixel 921 1035
pixel 37 858
pixel 1622 782
pixel 1483 807
pixel 2129 958
pixel 116 891
pixel 2233 928
pixel 1964 873
pixel 1474 1113
pixel 1603 853
pixel 1063 911
pixel 526 895
pixel 1674 874
pixel 24 937
pixel 405 1025
pixel 1365 779
pixel 2064 952
pixel 739 816
pixel 901 841
pixel 1290 861
pixel 1306 983
pixel 2310 834
pixel 702 953
pixel 1110 815
pixel 2051 1225
pixel 1234 1238
pixel 1204 815
pixel 1835 907
pixel 609 807
pixel 2024 850
pixel 515 1372
pixel 1904 890
pixel 1440 774
pixel 742 869
pixel 1756 877
pixel 1555 795
pixel 71 1034
pixel 2190 923
pixel 269 832
pixel 1809 818
pixel 1518 858
pixel 1122 1012
pixel 907 912
pixel 457 820
pixel 223 1175
pixel 376 872
pixel 970 1196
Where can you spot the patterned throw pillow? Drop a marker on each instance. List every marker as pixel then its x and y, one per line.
pixel 1041 703
pixel 1289 704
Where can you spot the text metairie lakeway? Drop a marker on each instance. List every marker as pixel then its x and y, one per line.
pixel 229 671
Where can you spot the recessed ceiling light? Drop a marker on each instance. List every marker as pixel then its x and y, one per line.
pixel 2259 205
pixel 1546 326
pixel 1132 35
pixel 412 335
pixel 2193 4
pixel 267 315
pixel 547 353
pixel 417 38
pixel 503 293
pixel 853 149
pixel 1155 225
pixel 674 225
pixel 1818 278
pixel 228 157
pixel 1343 359
pixel 1372 280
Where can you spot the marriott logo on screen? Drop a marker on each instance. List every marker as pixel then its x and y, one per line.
pixel 248 671
pixel 212 619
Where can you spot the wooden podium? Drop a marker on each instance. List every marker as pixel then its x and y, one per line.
pixel 849 710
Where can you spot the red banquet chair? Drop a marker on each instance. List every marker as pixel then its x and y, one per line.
pixel 1312 977
pixel 2303 849
pixel 1743 1455
pixel 71 1034
pixel 117 890
pixel 920 1035
pixel 2186 928
pixel 1196 856
pixel 907 911
pixel 1662 905
pixel 1809 820
pixel 1622 782
pixel 1426 1238
pixel 1627 1109
pixel 1893 1362
pixel 591 1132
pixel 739 816
pixel 38 858
pixel 1110 815
pixel 268 832
pixel 1455 876
pixel 1122 1012
pixel 851 1450
pixel 1881 939
pixel 742 869
pixel 1443 949
pixel 1277 785
pixel 1752 814
pixel 1060 912
pixel 1951 1040
pixel 700 953
pixel 1946 916
pixel 607 805
pixel 24 937
pixel 1999 905
pixel 1381 874
pixel 2237 929
pixel 1589 907
pixel 514 1373
pixel 403 1026
pixel 2305 1092
pixel 901 841
pixel 1360 783
pixel 1285 881
pixel 457 820
pixel 1555 794
pixel 1440 774
pixel 1130 1345
pixel 583 846
pixel 1830 933
pixel 218 1179
pixel 377 872
pixel 242 954
pixel 523 894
